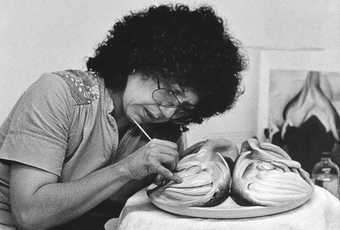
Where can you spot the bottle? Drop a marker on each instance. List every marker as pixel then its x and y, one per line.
pixel 266 134
pixel 325 174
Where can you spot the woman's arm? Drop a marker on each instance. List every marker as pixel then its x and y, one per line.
pixel 38 201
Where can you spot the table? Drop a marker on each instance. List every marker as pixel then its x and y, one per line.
pixel 321 212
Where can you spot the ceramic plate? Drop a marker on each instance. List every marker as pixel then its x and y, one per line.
pixel 229 209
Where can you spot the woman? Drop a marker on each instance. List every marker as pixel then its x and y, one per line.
pixel 71 142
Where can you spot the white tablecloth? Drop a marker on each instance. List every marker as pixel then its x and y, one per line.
pixel 322 212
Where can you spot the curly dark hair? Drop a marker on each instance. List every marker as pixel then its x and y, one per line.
pixel 189 47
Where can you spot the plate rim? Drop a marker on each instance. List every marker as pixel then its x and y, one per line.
pixel 218 212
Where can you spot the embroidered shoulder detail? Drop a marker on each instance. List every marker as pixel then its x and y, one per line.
pixel 83 85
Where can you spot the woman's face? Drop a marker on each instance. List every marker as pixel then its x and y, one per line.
pixel 139 104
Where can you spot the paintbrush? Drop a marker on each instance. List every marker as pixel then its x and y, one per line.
pixel 141 128
pixel 175 178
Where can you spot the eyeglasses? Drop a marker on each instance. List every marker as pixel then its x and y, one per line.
pixel 168 98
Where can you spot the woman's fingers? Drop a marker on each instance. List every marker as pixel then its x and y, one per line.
pixel 166 173
pixel 156 157
pixel 165 150
pixel 163 165
pixel 167 161
pixel 170 144
pixel 159 179
pixel 163 147
pixel 164 154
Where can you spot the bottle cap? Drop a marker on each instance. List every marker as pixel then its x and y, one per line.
pixel 325 154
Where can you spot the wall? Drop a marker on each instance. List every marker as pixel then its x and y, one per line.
pixel 42 36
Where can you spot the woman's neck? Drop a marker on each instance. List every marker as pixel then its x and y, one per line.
pixel 118 113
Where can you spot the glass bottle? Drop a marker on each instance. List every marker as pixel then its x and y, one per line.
pixel 325 174
pixel 266 134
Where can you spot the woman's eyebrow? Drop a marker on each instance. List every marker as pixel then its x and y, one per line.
pixel 188 104
pixel 179 89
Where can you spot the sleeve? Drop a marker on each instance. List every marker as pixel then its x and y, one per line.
pixel 39 123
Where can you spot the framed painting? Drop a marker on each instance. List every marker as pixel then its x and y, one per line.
pixel 283 74
pixel 299 103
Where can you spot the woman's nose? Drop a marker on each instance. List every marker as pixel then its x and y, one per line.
pixel 168 112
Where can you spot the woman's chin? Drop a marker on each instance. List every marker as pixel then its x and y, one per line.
pixel 139 118
pixel 132 115
pixel 142 117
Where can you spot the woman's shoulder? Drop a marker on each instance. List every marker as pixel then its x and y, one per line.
pixel 83 85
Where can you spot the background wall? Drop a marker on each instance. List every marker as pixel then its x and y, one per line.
pixel 42 36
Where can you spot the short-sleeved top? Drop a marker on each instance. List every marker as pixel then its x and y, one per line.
pixel 61 124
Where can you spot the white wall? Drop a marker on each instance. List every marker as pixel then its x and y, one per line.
pixel 42 36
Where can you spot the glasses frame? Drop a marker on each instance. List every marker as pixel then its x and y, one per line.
pixel 183 107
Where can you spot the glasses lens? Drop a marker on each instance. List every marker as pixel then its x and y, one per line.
pixel 165 97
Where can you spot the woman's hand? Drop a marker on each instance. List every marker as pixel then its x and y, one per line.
pixel 156 157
